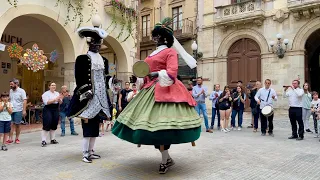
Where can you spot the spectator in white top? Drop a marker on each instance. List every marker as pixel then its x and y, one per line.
pixel 306 107
pixel 295 95
pixel 265 97
pixel 315 109
pixel 133 93
pixel 18 99
pixel 51 100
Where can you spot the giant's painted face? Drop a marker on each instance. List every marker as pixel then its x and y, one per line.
pixel 94 44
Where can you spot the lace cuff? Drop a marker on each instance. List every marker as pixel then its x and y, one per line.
pixel 164 79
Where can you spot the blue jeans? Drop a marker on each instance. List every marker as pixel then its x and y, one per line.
pixel 63 122
pixel 214 113
pixel 233 117
pixel 202 107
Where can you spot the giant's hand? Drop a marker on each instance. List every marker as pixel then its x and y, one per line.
pixel 86 95
pixel 153 75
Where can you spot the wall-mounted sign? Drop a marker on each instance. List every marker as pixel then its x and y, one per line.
pixel 8 65
pixel 5 71
pixel 3 65
pixel 6 38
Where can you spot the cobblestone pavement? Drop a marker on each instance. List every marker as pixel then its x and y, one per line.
pixel 235 155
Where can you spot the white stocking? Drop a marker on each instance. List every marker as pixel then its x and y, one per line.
pixel 91 144
pixel 44 135
pixel 165 156
pixel 52 134
pixel 85 145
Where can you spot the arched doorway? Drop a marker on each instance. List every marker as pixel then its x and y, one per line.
pixel 26 31
pixel 312 60
pixel 244 63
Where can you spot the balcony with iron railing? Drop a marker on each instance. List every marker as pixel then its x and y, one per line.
pixel 182 30
pixel 251 11
pixel 304 8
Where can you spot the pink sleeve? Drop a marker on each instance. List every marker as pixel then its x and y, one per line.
pixel 172 64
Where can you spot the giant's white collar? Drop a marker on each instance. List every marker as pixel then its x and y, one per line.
pixel 96 61
pixel 159 49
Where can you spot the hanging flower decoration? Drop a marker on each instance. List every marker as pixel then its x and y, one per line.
pixel 34 59
pixel 53 56
pixel 15 51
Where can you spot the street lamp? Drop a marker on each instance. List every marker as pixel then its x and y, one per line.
pixel 278 49
pixel 194 48
pixel 96 21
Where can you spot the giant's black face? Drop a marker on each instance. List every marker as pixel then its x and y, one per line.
pixel 158 40
pixel 95 45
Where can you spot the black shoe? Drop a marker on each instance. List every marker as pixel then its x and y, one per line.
pixel 299 138
pixel 54 141
pixel 170 162
pixel 293 137
pixel 74 133
pixel 43 144
pixel 4 148
pixel 263 134
pixel 309 131
pixel 94 156
pixel 271 134
pixel 163 168
pixel 86 159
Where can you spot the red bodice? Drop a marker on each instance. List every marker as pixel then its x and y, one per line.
pixel 167 59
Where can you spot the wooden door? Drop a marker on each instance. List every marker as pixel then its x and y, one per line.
pixel 244 63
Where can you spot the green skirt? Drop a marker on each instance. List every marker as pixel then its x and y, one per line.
pixel 145 121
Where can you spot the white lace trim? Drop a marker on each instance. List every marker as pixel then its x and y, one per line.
pixel 164 79
pixel 96 61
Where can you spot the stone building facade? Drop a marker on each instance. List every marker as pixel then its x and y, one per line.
pixel 183 13
pixel 44 22
pixel 235 38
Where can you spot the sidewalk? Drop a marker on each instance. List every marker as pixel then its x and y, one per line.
pixel 38 127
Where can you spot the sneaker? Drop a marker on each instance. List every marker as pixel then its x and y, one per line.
pixel 232 128
pixel 224 130
pixel 163 168
pixel 263 134
pixel 309 131
pixel 219 128
pixel 239 128
pixel 170 162
pixel 316 136
pixel 94 156
pixel 271 134
pixel 227 129
pixel 43 144
pixel 255 130
pixel 86 159
pixel 63 134
pixel 251 126
pixel 74 133
pixel 17 141
pixel 53 141
pixel 211 127
pixel 4 148
pixel 9 142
